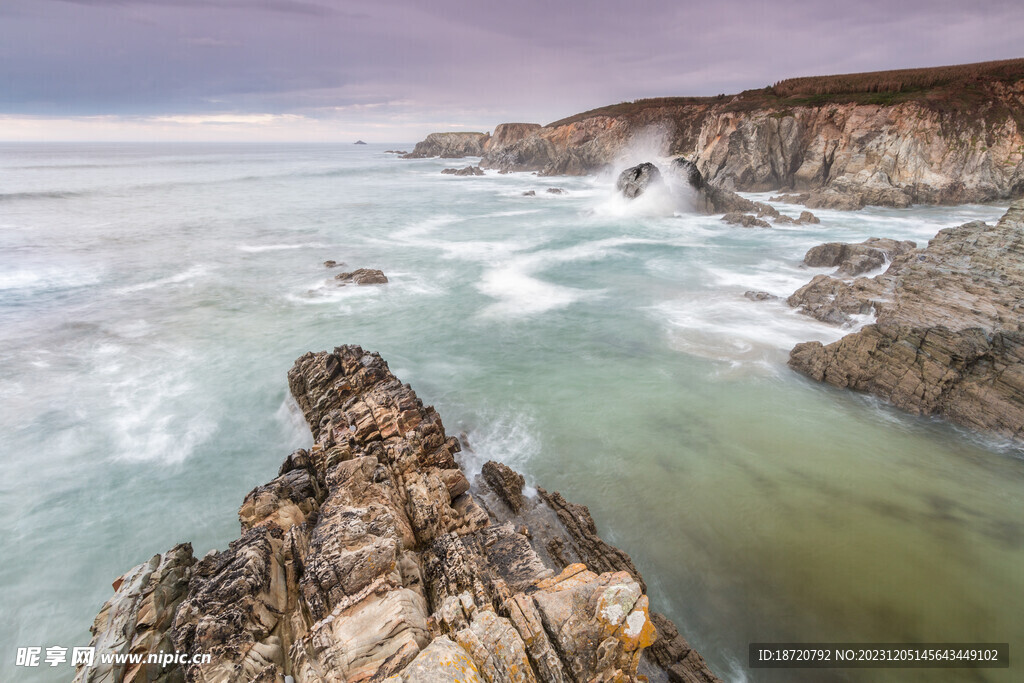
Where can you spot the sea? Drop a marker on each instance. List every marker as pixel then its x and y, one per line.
pixel 154 296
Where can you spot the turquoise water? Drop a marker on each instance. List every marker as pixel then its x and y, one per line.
pixel 152 299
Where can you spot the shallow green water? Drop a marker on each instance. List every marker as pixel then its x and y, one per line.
pixel 153 298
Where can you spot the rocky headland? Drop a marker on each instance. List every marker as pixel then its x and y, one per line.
pixel 371 557
pixel 948 338
pixel 934 136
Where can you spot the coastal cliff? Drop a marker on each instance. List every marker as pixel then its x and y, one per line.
pixel 948 339
pixel 935 136
pixel 371 557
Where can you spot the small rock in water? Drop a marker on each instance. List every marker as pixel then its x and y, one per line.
pixel 556 190
pixel 635 180
pixel 529 193
pixel 744 219
pixel 807 217
pixel 468 170
pixel 756 295
pixel 332 264
pixel 362 276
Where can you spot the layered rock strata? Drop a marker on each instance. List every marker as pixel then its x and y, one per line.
pixel 948 339
pixel 371 557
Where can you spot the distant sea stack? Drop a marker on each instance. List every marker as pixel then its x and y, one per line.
pixel 358 142
pixel 935 136
pixel 372 557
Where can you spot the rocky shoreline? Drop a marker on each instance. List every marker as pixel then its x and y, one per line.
pixel 372 557
pixel 948 339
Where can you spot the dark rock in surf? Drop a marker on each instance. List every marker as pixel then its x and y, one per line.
pixel 635 180
pixel 505 482
pixel 556 190
pixel 468 170
pixel 856 259
pixel 362 276
pixel 745 220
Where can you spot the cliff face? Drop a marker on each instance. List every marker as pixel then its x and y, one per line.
pixel 842 155
pixel 949 334
pixel 370 558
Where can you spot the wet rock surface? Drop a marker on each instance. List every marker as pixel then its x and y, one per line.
pixel 370 557
pixel 949 335
pixel 859 258
pixel 745 220
pixel 635 180
pixel 362 276
pixel 468 170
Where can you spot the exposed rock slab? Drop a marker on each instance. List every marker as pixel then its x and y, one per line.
pixel 859 258
pixel 949 335
pixel 370 557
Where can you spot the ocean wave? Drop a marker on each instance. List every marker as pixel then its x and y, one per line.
pixel 260 248
pixel 184 276
pixel 43 194
pixel 47 278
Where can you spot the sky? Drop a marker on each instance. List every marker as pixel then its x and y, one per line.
pixel 395 70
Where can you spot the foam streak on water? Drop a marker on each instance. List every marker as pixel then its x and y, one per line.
pixel 152 299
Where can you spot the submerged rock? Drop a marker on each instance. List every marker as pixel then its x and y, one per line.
pixel 530 193
pixel 555 190
pixel 362 276
pixel 635 180
pixel 369 558
pixel 949 335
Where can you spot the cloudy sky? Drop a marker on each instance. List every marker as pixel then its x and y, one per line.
pixel 394 70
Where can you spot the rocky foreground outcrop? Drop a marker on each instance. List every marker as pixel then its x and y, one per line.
pixel 371 557
pixel 959 142
pixel 949 335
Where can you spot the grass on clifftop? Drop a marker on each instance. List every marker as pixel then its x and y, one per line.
pixel 943 88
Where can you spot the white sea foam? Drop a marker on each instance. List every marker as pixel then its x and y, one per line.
pixel 46 278
pixel 176 279
pixel 728 327
pixel 509 438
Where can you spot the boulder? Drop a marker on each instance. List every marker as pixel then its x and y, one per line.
pixel 634 181
pixel 859 258
pixel 744 219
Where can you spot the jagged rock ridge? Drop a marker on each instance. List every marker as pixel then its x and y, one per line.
pixel 369 558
